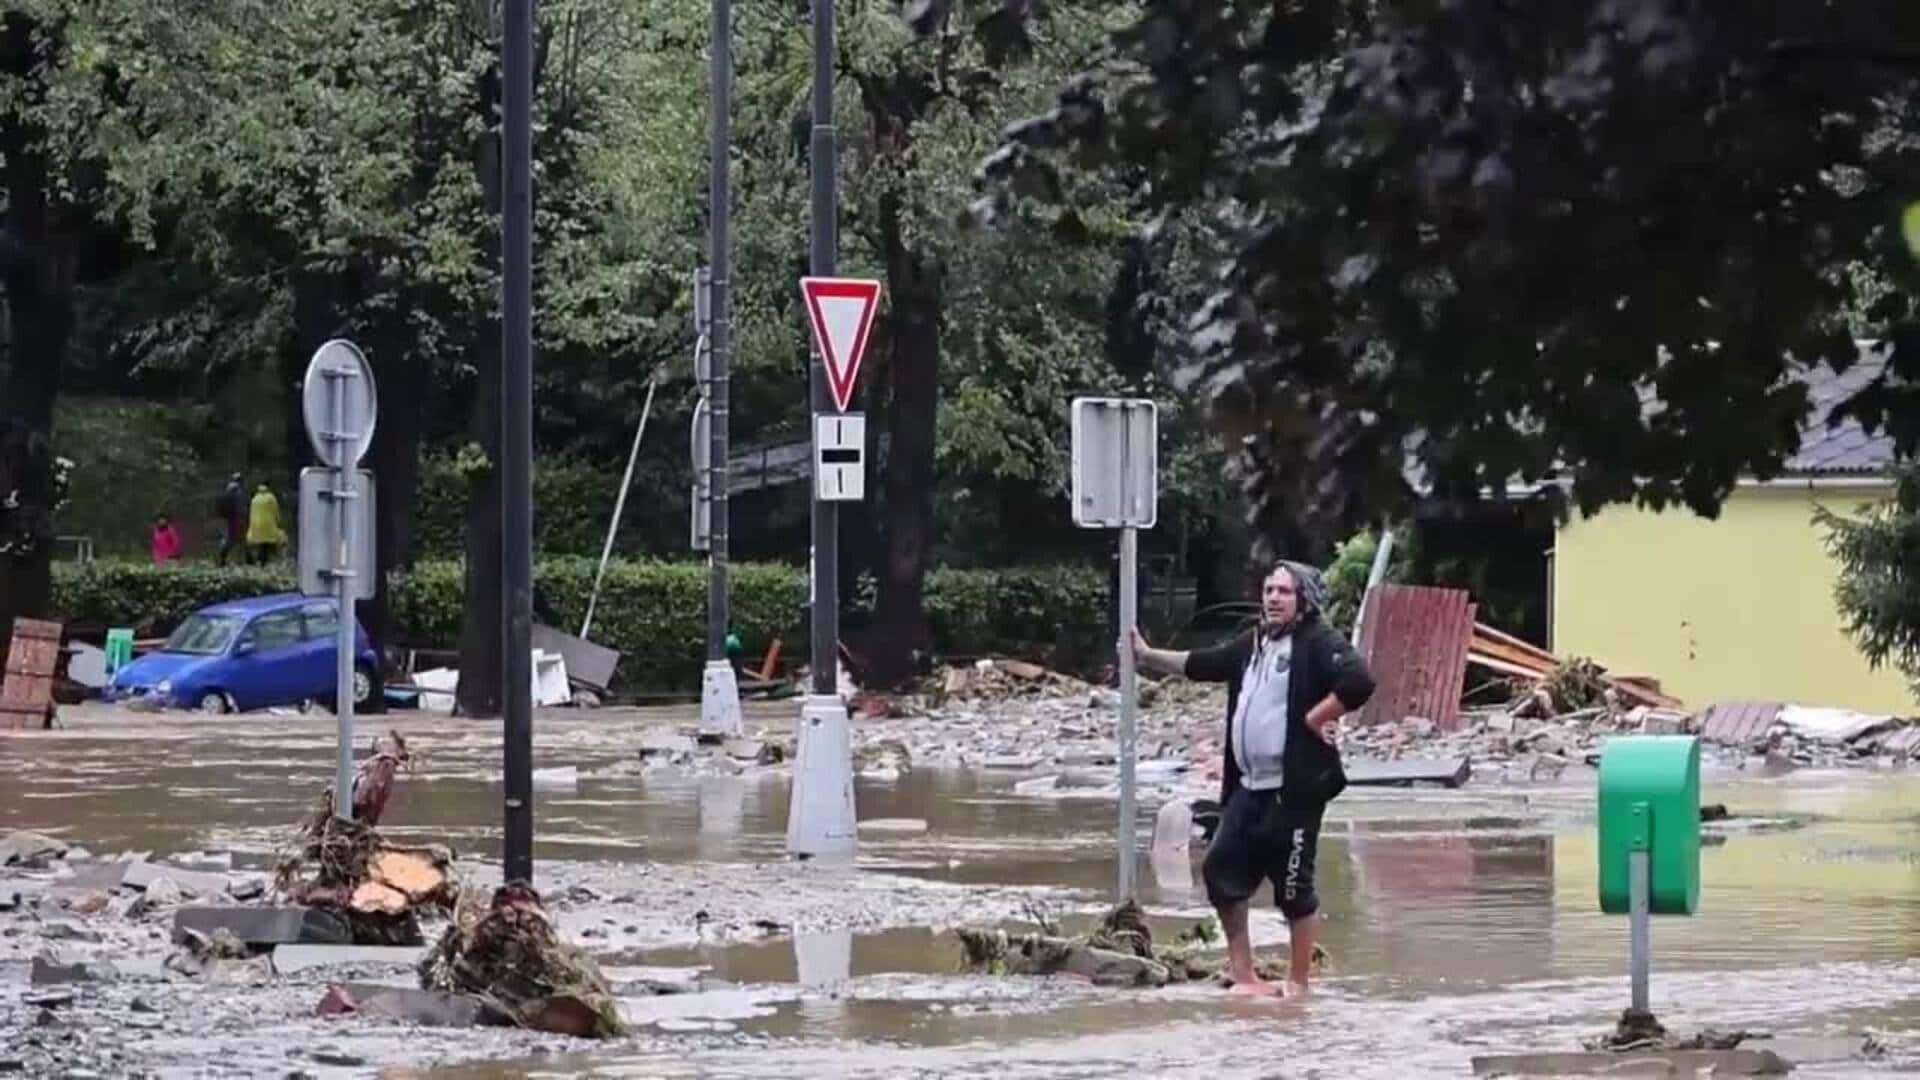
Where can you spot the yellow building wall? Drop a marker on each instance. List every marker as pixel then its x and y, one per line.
pixel 1736 609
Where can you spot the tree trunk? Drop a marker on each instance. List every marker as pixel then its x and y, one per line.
pixel 37 267
pixel 900 629
pixel 394 459
pixel 482 644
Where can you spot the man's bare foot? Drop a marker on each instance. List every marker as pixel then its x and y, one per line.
pixel 1293 989
pixel 1254 988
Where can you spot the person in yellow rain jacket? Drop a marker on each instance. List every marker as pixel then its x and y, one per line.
pixel 264 534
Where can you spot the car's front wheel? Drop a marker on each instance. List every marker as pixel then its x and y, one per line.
pixel 362 686
pixel 213 702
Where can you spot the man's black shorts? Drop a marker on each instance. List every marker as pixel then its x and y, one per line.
pixel 1262 836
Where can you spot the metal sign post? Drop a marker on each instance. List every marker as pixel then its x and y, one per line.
pixel 1116 485
pixel 840 311
pixel 340 407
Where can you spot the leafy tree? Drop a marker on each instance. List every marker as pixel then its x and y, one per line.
pixel 1591 239
pixel 1878 590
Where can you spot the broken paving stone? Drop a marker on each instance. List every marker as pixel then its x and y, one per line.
pixel 1012 761
pixel 667 743
pixel 164 892
pixel 338 1058
pixel 265 925
pixel 207 861
pixel 22 848
pixel 66 931
pixel 430 1008
pixel 288 959
pixel 142 1005
pixel 143 875
pixel 50 999
pixel 251 887
pixel 58 970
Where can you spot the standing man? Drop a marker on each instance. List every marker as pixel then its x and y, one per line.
pixel 231 509
pixel 264 534
pixel 1289 680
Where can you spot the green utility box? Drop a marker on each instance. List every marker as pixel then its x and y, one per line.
pixel 1650 800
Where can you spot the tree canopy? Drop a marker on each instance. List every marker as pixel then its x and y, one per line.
pixel 1479 243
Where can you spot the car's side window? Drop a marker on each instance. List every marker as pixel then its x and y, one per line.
pixel 275 631
pixel 323 621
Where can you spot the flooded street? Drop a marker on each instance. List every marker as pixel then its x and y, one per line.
pixel 1458 922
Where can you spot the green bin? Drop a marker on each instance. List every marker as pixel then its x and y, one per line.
pixel 119 650
pixel 1650 796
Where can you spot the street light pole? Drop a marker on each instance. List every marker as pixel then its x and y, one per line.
pixel 720 336
pixel 719 690
pixel 516 436
pixel 825 258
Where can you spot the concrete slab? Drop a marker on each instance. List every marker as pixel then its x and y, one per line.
pixel 1818 1049
pixel 141 875
pixel 1451 772
pixel 1641 1063
pixel 428 1008
pixel 288 959
pixel 264 925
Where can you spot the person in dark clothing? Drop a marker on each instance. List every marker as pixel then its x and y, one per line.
pixel 1289 680
pixel 231 508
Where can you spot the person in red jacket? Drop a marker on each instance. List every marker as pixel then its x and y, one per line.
pixel 166 541
pixel 1289 680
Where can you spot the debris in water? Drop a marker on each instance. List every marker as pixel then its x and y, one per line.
pixel 378 888
pixel 509 956
pixel 1639 1030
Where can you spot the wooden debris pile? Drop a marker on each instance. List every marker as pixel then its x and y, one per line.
pixel 998 679
pixel 1560 686
pixel 508 955
pixel 377 887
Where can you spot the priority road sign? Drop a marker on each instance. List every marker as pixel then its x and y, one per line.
pixel 840 311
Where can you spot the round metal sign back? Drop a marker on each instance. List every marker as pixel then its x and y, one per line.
pixel 338 401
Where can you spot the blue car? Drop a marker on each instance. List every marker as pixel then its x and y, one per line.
pixel 249 654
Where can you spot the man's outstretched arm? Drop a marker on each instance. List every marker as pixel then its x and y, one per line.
pixel 1161 661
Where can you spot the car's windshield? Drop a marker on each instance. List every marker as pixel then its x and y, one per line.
pixel 204 635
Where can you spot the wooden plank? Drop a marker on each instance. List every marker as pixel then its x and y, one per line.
pixel 26 691
pixel 1482 630
pixel 1502 667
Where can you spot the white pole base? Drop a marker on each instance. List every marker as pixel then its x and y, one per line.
pixel 719 702
pixel 820 818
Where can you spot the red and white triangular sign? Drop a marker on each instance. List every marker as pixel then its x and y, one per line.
pixel 841 311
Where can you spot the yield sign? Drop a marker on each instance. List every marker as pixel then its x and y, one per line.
pixel 841 311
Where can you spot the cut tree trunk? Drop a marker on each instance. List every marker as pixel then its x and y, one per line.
pixel 900 631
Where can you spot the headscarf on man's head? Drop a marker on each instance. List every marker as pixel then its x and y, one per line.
pixel 1309 588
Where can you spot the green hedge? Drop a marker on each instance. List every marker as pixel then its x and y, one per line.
pixel 653 612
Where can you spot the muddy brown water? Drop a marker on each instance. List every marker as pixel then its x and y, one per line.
pixel 1460 922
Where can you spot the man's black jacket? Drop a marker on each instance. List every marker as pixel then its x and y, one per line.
pixel 1323 663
